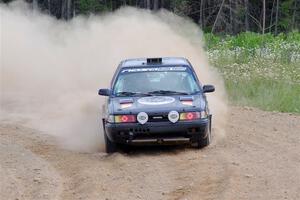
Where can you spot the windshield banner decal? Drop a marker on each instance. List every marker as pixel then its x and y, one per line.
pixel 153 69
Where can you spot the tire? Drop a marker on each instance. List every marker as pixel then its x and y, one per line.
pixel 125 148
pixel 203 142
pixel 110 147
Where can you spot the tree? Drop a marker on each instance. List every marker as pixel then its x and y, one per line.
pixel 246 4
pixel 264 17
pixel 217 16
pixel 276 19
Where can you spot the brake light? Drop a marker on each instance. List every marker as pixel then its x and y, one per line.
pixel 125 118
pixel 190 116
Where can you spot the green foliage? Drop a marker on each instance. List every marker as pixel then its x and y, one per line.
pixel 234 16
pixel 265 94
pixel 246 46
pixel 212 40
pixel 181 7
pixel 293 36
pixel 249 40
pixel 91 6
pixel 259 70
pixel 286 14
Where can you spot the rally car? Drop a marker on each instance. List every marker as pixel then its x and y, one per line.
pixel 156 101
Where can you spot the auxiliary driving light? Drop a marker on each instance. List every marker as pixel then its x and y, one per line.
pixel 142 117
pixel 173 116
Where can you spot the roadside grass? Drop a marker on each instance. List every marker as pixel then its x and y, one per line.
pixel 265 94
pixel 259 70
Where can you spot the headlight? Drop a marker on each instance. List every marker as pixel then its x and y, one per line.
pixel 125 118
pixel 188 116
pixel 121 119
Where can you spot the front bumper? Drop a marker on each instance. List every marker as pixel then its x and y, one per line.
pixel 158 132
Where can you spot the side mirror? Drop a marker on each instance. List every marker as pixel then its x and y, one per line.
pixel 208 88
pixel 104 92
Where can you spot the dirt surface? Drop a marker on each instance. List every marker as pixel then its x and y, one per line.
pixel 258 159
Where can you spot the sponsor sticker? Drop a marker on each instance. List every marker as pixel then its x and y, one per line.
pixel 156 100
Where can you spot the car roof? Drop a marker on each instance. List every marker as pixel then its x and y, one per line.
pixel 165 61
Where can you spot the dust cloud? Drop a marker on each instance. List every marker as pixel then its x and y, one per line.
pixel 51 70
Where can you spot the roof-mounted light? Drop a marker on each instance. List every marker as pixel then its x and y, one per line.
pixel 154 60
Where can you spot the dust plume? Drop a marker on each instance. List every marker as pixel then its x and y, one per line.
pixel 51 70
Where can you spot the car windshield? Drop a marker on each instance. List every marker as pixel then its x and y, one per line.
pixel 148 81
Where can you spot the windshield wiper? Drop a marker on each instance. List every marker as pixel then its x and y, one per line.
pixel 196 92
pixel 127 94
pixel 167 92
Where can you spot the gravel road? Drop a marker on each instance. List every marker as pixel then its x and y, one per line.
pixel 258 159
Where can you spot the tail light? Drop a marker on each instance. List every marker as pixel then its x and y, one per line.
pixel 190 116
pixel 125 118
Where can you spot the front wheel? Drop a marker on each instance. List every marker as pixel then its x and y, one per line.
pixel 203 142
pixel 110 147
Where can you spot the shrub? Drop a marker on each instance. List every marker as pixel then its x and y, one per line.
pixel 259 70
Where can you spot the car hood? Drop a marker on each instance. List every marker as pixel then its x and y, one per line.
pixel 152 104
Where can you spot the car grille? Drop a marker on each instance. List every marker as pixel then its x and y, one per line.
pixel 158 118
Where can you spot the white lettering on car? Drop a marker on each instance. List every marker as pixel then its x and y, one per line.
pixel 153 69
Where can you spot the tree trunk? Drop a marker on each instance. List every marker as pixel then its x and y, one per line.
pixel 148 4
pixel 246 15
pixel 294 15
pixel 63 9
pixel 49 7
pixel 74 10
pixel 276 19
pixel 271 20
pixel 216 20
pixel 35 4
pixel 264 17
pixel 69 9
pixel 231 17
pixel 111 5
pixel 162 4
pixel 155 4
pixel 201 13
pixel 235 19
